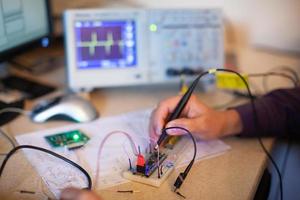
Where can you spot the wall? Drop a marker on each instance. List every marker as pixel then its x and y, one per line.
pixel 264 23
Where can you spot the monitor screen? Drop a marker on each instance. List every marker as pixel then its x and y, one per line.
pixel 106 44
pixel 22 22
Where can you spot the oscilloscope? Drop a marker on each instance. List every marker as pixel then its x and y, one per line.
pixel 114 47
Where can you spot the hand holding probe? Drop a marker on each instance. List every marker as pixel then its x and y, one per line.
pixel 179 107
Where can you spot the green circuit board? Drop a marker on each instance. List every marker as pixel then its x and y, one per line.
pixel 71 139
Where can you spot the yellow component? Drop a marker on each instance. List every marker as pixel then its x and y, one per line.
pixel 171 141
pixel 212 71
pixel 183 86
pixel 183 89
pixel 226 80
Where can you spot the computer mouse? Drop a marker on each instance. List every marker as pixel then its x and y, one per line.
pixel 70 108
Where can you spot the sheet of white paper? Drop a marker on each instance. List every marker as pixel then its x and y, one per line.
pixel 114 158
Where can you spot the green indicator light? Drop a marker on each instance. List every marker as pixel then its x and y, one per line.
pixel 153 27
pixel 76 137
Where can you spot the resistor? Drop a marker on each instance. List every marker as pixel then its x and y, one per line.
pixel 130 166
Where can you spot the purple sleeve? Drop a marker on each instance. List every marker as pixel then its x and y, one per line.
pixel 278 114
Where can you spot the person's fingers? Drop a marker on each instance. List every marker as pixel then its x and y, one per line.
pixel 193 109
pixel 77 194
pixel 160 114
pixel 70 194
pixel 183 123
pixel 152 127
pixel 195 126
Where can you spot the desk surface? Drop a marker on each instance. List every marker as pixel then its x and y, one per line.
pixel 234 175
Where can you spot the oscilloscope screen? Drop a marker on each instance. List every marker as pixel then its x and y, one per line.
pixel 106 44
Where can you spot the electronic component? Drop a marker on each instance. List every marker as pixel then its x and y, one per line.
pixel 148 166
pixel 152 175
pixel 71 139
pixel 171 141
pixel 150 169
pixel 227 80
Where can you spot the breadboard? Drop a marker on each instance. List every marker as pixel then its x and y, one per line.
pixel 153 180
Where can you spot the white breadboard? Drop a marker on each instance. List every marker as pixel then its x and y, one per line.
pixel 153 180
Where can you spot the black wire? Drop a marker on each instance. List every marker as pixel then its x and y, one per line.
pixel 294 79
pixel 256 122
pixel 290 70
pixel 257 125
pixel 190 134
pixel 180 179
pixel 15 149
pixel 8 138
pixel 295 82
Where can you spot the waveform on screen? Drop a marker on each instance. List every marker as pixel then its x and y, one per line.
pixel 106 44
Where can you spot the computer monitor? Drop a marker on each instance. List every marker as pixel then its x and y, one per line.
pixel 23 24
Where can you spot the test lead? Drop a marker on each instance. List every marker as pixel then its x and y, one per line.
pixel 27 192
pixel 180 194
pixel 130 166
pixel 128 191
pixel 139 148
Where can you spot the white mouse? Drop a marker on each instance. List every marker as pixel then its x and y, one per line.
pixel 70 108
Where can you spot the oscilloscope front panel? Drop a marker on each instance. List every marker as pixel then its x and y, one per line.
pixel 110 47
pixel 105 48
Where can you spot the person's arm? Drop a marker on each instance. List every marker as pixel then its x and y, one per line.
pixel 278 114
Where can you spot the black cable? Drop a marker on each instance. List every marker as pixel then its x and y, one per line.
pixel 183 101
pixel 257 125
pixel 8 138
pixel 180 179
pixel 15 149
pixel 294 79
pixel 290 70
pixel 190 134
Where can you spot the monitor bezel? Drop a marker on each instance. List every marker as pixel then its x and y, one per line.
pixel 14 51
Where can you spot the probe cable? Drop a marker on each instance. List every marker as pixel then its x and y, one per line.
pixel 181 177
pixel 184 100
pixel 257 125
pixel 11 110
pixel 8 139
pixel 15 149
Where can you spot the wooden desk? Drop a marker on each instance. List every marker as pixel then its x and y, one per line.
pixel 234 175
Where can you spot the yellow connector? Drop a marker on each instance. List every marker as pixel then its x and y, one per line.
pixel 230 81
pixel 212 71
pixel 183 85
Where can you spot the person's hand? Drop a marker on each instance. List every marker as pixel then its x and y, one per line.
pixel 78 194
pixel 199 119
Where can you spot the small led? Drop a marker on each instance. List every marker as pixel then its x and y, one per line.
pixel 153 27
pixel 76 137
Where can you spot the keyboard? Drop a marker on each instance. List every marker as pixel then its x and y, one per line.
pixel 32 89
